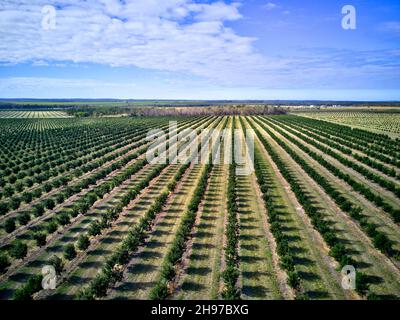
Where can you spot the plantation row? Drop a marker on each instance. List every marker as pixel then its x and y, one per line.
pixel 330 141
pixel 231 273
pixel 97 226
pixel 99 170
pixel 393 211
pixel 321 197
pixel 83 204
pixel 42 170
pixel 380 240
pixel 337 250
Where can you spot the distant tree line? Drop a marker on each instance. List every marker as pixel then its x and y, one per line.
pixel 219 110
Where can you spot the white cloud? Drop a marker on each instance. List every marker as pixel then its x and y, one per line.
pixel 177 36
pixel 271 6
pixel 171 35
pixel 217 11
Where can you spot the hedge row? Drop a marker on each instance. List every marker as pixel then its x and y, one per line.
pixel 231 272
pixel 341 136
pixel 284 250
pixel 379 239
pixel 383 182
pixel 342 147
pixel 40 233
pixel 175 252
pixel 112 270
pixel 337 249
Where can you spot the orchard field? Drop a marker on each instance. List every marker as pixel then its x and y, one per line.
pixel 81 196
pixel 33 114
pixel 386 122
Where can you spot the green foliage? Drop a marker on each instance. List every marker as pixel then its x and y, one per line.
pixel 51 226
pixel 49 204
pixel 83 242
pixel 362 283
pixel 38 210
pixel 85 294
pixel 26 291
pixel 18 249
pixel 4 262
pixel 9 225
pixel 40 238
pixel 383 243
pixel 95 228
pixel 4 208
pixel 24 218
pixel 159 291
pixel 63 218
pixel 69 252
pixel 57 263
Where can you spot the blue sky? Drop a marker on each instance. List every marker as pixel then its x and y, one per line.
pixel 186 49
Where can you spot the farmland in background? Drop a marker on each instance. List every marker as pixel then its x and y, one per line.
pixel 384 122
pixel 79 194
pixel 33 114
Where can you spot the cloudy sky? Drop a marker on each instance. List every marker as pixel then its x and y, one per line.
pixel 192 49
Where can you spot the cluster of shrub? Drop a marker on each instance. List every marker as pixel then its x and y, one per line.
pixel 330 141
pixel 384 183
pixel 40 233
pixel 337 250
pixel 379 239
pixel 112 270
pixel 168 269
pixel 284 251
pixel 68 191
pixel 381 143
pixel 15 202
